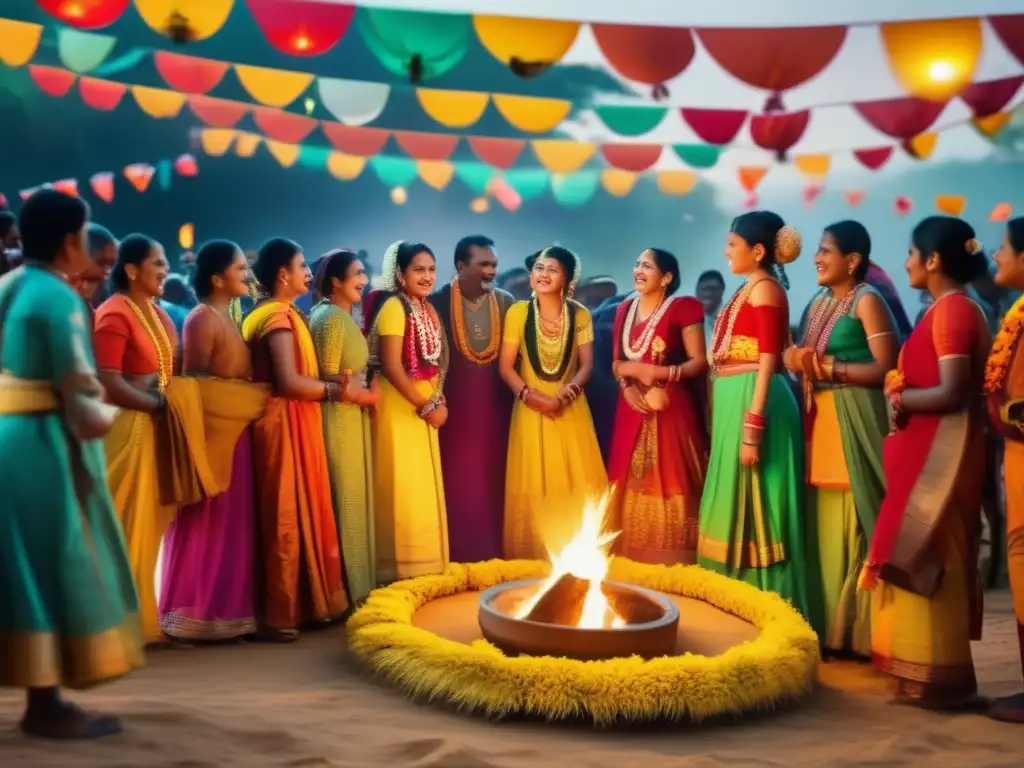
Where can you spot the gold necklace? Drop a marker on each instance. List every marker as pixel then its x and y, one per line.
pixel 490 352
pixel 551 348
pixel 161 342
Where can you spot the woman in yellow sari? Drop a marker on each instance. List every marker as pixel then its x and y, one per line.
pixel 301 555
pixel 554 461
pixel 136 352
pixel 409 348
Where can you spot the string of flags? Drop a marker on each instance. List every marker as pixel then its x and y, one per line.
pixel 139 175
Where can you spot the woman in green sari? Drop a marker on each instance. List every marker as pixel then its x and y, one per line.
pixel 752 524
pixel 848 342
pixel 343 355
pixel 69 611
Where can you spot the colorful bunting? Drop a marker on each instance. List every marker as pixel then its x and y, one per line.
pixel 1002 212
pixel 353 140
pixel 426 146
pixel 630 120
pixel 990 98
pixel 354 102
pixel 698 155
pixel 139 174
pixel 631 157
pixel 527 46
pixel 454 109
pixel 561 155
pixel 618 183
pixel 921 147
pixel 649 55
pixel 476 176
pixel 1010 31
pixel 503 192
pixel 53 81
pixel 217 113
pixel 283 126
pixel 574 189
pixel 903 205
pixel 217 141
pixel 185 20
pixel 854 197
pixel 901 118
pixel 394 171
pixel 301 27
pixel 85 14
pixel 103 95
pixel 779 132
pixel 83 52
pixel 750 176
pixel 676 183
pixel 186 165
pixel 345 167
pixel 498 153
pixel 246 144
pixel 436 174
pixel 810 194
pixel 715 126
pixel 873 159
pixel 951 205
pixel 158 102
pixel 67 187
pixel 102 185
pixel 416 45
pixel 187 236
pixel 285 154
pixel 532 114
pixel 813 166
pixel 272 87
pixel 189 74
pixel 479 205
pixel 19 41
pixel 933 59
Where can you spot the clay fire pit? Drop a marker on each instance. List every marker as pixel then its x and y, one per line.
pixel 638 621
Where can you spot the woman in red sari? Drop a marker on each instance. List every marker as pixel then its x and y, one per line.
pixel 659 445
pixel 922 568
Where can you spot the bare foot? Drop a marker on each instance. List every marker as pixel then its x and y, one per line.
pixel 67 722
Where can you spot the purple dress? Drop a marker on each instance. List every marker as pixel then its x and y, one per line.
pixel 474 445
pixel 210 559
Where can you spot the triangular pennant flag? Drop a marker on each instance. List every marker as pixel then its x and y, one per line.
pixel 186 165
pixel 951 205
pixel 103 186
pixel 811 193
pixel 854 197
pixel 903 205
pixel 67 186
pixel 1002 212
pixel 140 174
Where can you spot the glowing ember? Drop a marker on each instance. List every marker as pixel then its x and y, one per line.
pixel 586 558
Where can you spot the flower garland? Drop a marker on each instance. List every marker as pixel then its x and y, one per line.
pixel 777 667
pixel 423 343
pixel 161 342
pixel 490 352
pixel 827 313
pixel 721 336
pixel 1006 342
pixel 636 352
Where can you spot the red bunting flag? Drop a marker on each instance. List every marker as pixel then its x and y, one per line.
pixel 854 197
pixel 811 193
pixel 103 186
pixel 186 165
pixel 903 205
pixel 67 187
pixel 140 174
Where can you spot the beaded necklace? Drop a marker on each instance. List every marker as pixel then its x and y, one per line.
pixel 726 321
pixel 550 356
pixel 551 349
pixel 827 313
pixel 427 331
pixel 490 352
pixel 637 352
pixel 161 342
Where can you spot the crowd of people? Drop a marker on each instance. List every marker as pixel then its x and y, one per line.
pixel 289 462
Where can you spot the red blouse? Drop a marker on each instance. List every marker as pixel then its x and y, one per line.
pixel 121 342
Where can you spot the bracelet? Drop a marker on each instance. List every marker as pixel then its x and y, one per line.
pixel 523 394
pixel 755 420
pixel 828 368
pixel 623 384
pixel 896 399
pixel 161 402
pixel 752 445
pixel 429 408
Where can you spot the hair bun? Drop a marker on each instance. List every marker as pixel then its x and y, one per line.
pixel 973 246
pixel 787 245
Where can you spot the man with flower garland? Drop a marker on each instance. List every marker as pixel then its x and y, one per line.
pixel 1004 387
pixel 474 441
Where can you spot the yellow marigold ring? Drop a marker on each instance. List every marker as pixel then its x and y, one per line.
pixel 778 666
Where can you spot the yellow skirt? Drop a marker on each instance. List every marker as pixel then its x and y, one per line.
pixel 411 528
pixel 1013 466
pixel 554 468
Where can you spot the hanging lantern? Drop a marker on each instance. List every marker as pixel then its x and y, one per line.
pixel 479 205
pixel 399 196
pixel 187 236
pixel 649 55
pixel 85 14
pixel 933 59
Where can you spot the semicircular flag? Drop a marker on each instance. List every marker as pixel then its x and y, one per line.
pixel 750 176
pixel 417 45
pixel 301 27
pixel 345 167
pixel 285 154
pixel 901 118
pixel 185 21
pixel 630 120
pixel 676 183
pixel 217 113
pixel 636 158
pixel 282 126
pixel 453 109
pixel 873 159
pixel 476 176
pixel 394 172
pixel 1010 31
pixel 53 81
pixel 216 141
pixel 574 189
pixel 272 87
pixel 922 146
pixel 159 103
pixel 530 183
pixel 356 140
pixel 19 41
pixel 951 205
pixel 101 94
pixel 532 114
pixel 989 98
pixel 698 155
pixel 933 59
pixel 427 146
pixel 85 14
pixel 189 74
pixel 775 60
pixel 991 126
pixel 715 126
pixel 246 144
pixel 813 166
pixel 618 183
pixel 436 174
pixel 353 102
pixel 648 55
pixel 527 46
pixel 779 132
pixel 562 155
pixel 82 52
pixel 186 165
pixel 497 153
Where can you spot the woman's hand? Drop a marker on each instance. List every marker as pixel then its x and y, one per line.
pixel 749 454
pixel 894 383
pixel 437 417
pixel 544 405
pixel 635 400
pixel 646 374
pixel 801 361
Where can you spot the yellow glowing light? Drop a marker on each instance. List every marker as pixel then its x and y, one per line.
pixel 399 195
pixel 310 105
pixel 585 557
pixel 479 205
pixel 302 42
pixel 187 236
pixel 942 71
pixel 73 10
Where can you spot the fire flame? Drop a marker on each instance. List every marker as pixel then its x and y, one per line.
pixel 585 557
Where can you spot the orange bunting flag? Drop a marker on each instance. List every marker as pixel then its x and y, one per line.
pixel 25 194
pixel 951 205
pixel 67 186
pixel 750 176
pixel 186 165
pixel 854 197
pixel 139 174
pixel 1001 212
pixel 103 186
pixel 903 205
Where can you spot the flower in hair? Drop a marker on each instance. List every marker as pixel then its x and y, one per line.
pixel 973 246
pixel 787 245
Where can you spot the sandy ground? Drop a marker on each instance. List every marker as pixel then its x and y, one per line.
pixel 308 705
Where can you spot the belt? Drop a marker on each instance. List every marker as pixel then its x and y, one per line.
pixel 21 396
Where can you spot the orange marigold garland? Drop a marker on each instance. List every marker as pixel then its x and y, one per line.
pixel 490 352
pixel 1003 346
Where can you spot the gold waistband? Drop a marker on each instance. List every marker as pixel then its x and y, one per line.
pixel 18 396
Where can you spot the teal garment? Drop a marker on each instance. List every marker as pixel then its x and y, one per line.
pixel 752 524
pixel 68 615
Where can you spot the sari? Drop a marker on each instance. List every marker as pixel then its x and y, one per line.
pixel 752 519
pixel 411 519
pixel 301 555
pixel 922 569
pixel 846 426
pixel 69 615
pixel 658 460
pixel 341 349
pixel 554 465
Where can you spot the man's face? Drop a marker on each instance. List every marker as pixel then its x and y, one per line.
pixel 12 240
pixel 481 270
pixel 97 272
pixel 709 292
